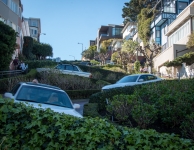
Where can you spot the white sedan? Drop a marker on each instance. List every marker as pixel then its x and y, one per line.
pixel 48 96
pixel 134 79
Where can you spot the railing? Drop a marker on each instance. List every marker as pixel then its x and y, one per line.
pixel 12 73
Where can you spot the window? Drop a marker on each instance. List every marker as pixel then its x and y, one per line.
pixel 150 77
pixel 179 34
pixel 34 23
pixel 4 1
pixel 35 32
pixel 69 67
pixel 144 77
pixel 61 67
pixel 182 5
pixel 157 33
pixel 14 7
pixel 116 31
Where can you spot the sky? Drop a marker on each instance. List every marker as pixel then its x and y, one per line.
pixel 69 22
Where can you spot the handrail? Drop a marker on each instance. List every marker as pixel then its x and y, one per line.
pixel 11 73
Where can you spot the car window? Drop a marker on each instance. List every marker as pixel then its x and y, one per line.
pixel 43 95
pixel 75 68
pixel 15 89
pixel 144 77
pixel 61 67
pixel 151 77
pixel 128 79
pixel 68 67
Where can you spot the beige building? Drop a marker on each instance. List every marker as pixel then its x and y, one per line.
pixel 34 27
pixel 11 14
pixel 177 33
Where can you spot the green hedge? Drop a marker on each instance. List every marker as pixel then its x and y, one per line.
pixel 165 106
pixel 101 97
pixel 24 127
pixel 33 64
pixel 81 94
pixel 102 71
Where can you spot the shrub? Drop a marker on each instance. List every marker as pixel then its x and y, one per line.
pixel 187 126
pixel 121 106
pixel 26 127
pixel 144 114
pixel 111 76
pixel 97 75
pixel 91 110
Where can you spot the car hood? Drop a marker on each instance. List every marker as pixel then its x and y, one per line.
pixel 118 85
pixel 65 110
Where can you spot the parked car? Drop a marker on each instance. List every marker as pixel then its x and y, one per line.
pixel 134 79
pixel 48 96
pixel 68 69
pixel 85 63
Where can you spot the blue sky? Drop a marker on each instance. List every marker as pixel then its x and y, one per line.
pixel 67 22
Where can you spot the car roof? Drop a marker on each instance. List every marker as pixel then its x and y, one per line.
pixel 141 74
pixel 42 85
pixel 67 64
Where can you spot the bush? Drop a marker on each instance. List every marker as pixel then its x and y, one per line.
pixel 144 114
pixel 120 107
pixel 187 126
pixel 91 110
pixel 26 127
pixel 101 97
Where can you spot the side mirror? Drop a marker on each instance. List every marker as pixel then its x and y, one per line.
pixel 141 80
pixel 76 106
pixel 8 95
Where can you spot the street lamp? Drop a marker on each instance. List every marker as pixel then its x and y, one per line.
pixel 72 56
pixel 82 47
pixel 39 36
pixel 43 33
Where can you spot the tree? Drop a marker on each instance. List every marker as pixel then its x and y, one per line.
pixel 149 52
pixel 104 50
pixel 137 66
pixel 134 7
pixel 190 42
pixel 7 45
pixel 144 22
pixel 129 46
pixel 90 52
pixel 27 47
pixel 41 50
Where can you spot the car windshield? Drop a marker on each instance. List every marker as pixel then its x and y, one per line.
pixel 44 96
pixel 128 79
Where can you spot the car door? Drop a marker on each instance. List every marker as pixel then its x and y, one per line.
pixel 68 69
pixel 152 78
pixel 147 79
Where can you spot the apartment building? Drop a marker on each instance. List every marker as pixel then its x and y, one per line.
pixel 11 14
pixel 108 32
pixel 34 27
pixel 171 31
pixel 111 31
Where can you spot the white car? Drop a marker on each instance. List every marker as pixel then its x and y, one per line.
pixel 48 96
pixel 67 69
pixel 134 79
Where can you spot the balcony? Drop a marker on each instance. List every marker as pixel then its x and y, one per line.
pixel 132 28
pixel 181 19
pixel 103 37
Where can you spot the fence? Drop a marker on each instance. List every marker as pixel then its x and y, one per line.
pixel 4 74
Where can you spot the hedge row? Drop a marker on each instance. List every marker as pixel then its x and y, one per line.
pixel 24 127
pixel 166 105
